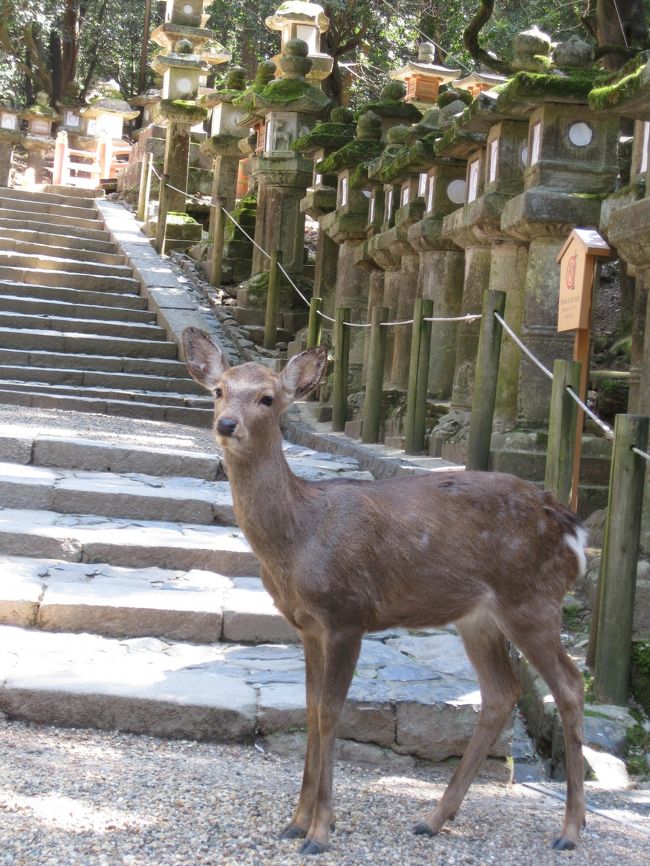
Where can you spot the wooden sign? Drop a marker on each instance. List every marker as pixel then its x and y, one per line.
pixel 577 260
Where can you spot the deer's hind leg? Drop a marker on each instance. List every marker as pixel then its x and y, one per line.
pixel 314 666
pixel 487 650
pixel 543 648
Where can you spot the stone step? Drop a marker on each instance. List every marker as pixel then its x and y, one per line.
pixel 105 392
pixel 124 542
pixel 73 296
pixel 125 495
pixel 58 250
pixel 74 199
pixel 99 363
pixel 51 224
pixel 199 606
pixel 413 694
pixel 96 455
pixel 95 239
pixel 63 210
pixel 51 262
pixel 39 397
pixel 112 327
pixel 54 221
pixel 66 308
pixel 57 341
pixel 81 324
pixel 97 379
pixel 69 279
pixel 60 241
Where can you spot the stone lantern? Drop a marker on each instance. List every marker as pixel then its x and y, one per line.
pixel 296 19
pixel 40 117
pixel 478 82
pixel 9 136
pixel 423 77
pixel 105 116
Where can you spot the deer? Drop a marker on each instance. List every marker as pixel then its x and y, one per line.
pixel 489 552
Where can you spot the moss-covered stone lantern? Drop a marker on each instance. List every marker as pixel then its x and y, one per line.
pixel 296 19
pixel 9 136
pixel 40 116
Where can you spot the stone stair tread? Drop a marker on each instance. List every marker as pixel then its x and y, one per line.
pixel 96 379
pixel 106 392
pixel 13 224
pixel 63 251
pixel 114 327
pixel 39 398
pixel 36 339
pixel 107 363
pixel 226 691
pixel 49 261
pixel 47 197
pixel 133 495
pixel 49 239
pixel 124 542
pixel 199 606
pixel 75 309
pixel 105 298
pixel 67 279
pixel 21 445
pixel 64 210
pixel 13 211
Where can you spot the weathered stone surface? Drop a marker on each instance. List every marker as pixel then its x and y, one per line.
pixel 250 616
pixel 281 707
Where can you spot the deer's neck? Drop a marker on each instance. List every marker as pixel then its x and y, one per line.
pixel 267 499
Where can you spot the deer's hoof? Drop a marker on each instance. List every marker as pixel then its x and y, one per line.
pixel 292 831
pixel 311 847
pixel 563 844
pixel 423 829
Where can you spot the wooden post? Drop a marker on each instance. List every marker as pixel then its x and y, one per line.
pixel 420 417
pixel 485 382
pixel 412 386
pixel 161 224
pixel 618 567
pixel 219 223
pixel 314 324
pixel 374 376
pixel 59 170
pixel 563 422
pixel 143 191
pixel 272 301
pixel 341 355
pixel 577 260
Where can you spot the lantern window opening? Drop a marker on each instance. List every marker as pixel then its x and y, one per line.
pixel 536 142
pixel 645 146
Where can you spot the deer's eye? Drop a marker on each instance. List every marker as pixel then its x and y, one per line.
pixel 266 401
pixel 218 393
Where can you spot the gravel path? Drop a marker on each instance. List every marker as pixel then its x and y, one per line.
pixel 82 798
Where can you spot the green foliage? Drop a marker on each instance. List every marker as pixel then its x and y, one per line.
pixel 637 747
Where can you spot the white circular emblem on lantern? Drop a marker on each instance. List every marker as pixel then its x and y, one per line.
pixel 456 191
pixel 184 85
pixel 187 9
pixel 580 134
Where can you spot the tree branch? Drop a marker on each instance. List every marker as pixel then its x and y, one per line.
pixel 471 43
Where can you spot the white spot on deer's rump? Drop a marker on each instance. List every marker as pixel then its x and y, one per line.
pixel 425 539
pixel 577 544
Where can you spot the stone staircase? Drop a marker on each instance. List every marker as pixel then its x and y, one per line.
pixel 75 332
pixel 129 600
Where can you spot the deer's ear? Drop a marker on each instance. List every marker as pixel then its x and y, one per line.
pixel 303 373
pixel 205 360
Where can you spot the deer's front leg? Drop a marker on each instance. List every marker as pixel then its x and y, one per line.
pixel 301 821
pixel 341 651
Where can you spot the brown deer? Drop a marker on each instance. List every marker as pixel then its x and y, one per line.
pixel 488 552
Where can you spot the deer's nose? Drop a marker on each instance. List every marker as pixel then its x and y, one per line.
pixel 226 426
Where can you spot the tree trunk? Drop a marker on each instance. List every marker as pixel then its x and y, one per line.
pixel 55 59
pixel 620 23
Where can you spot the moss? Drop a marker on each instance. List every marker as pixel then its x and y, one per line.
pixel 287 90
pixel 350 155
pixel 183 110
pixel 627 84
pixel 177 218
pixel 636 749
pixel 640 673
pixel 392 108
pixel 537 85
pixel 589 687
pixel 329 135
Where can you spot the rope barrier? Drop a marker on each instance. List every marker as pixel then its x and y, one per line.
pixel 523 348
pixel 641 453
pixel 607 430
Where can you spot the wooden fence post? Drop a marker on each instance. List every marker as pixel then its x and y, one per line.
pixel 563 419
pixel 314 323
pixel 161 224
pixel 143 189
pixel 617 580
pixel 272 301
pixel 341 356
pixel 374 376
pixel 412 385
pixel 219 204
pixel 485 382
pixel 422 388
